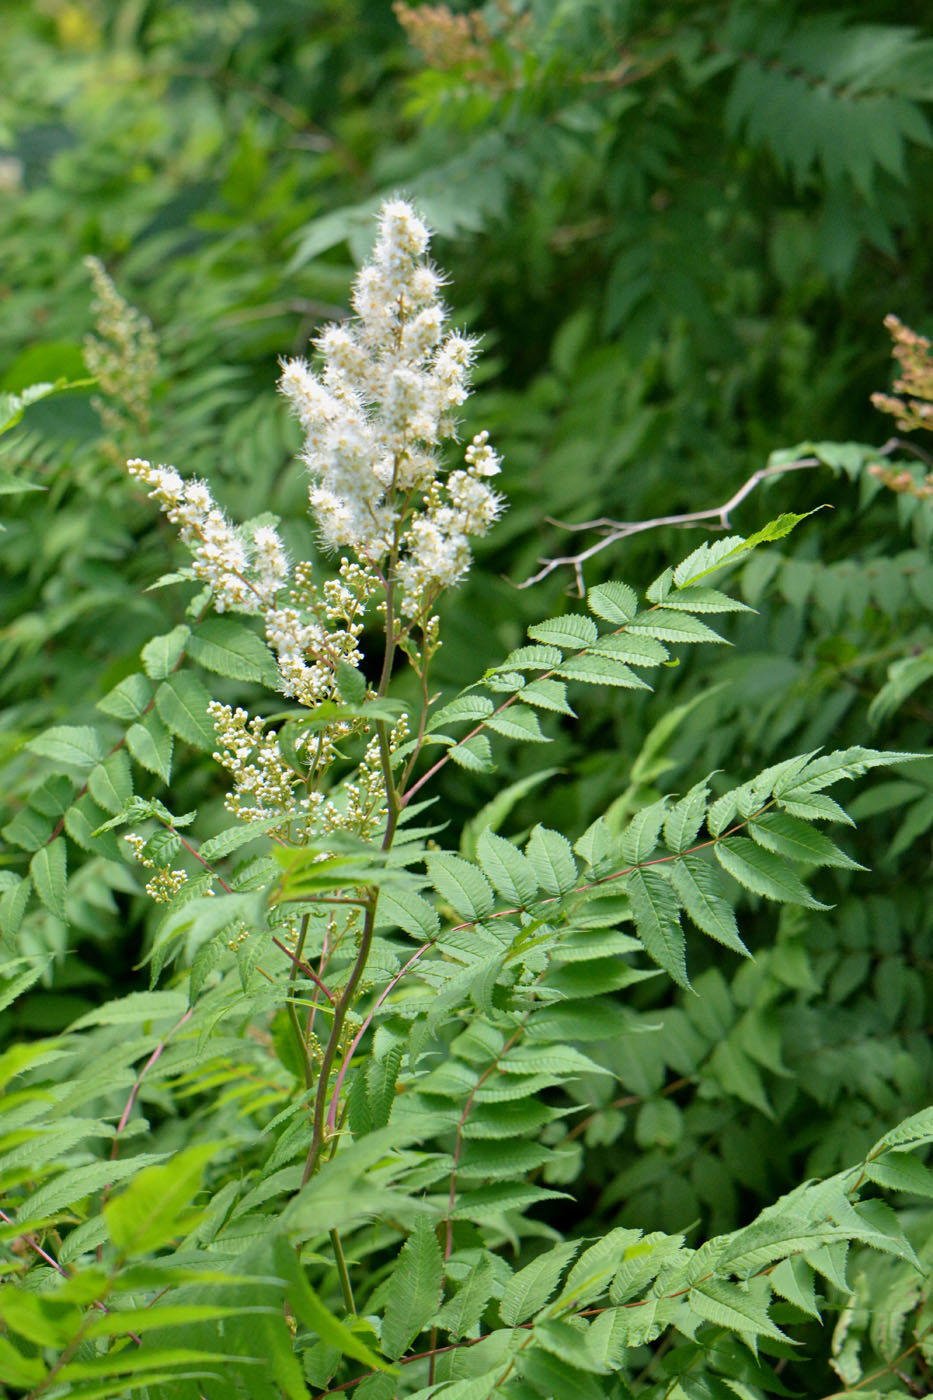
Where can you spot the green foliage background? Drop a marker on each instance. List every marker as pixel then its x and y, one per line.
pixel 678 231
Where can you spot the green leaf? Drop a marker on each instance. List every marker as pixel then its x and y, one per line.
pixel 182 703
pixel 640 838
pixel 615 602
pixel 712 555
pixel 111 782
pixel 230 649
pixel 551 858
pixel 225 842
pixel 633 647
pixel 547 695
pixel 155 1206
pixel 463 886
pixel 698 886
pixel 763 873
pixel 656 912
pixel 162 654
pixel 77 1183
pixel 461 1313
pixel 130 699
pixel 726 1305
pixel 351 683
pixel 151 744
pixel 594 1271
pixel 527 1291
pixel 684 820
pixel 399 908
pixel 507 869
pixel 464 707
pixel 415 1288
pixel 518 722
pixel 789 836
pixel 535 658
pixel 705 600
pixel 667 625
pixel 13 903
pixel 473 754
pixel 593 668
pixel 77 745
pixel 49 871
pixel 570 632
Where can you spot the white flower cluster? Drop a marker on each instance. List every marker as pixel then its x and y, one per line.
pixel 374 418
pixel 244 575
pixel 263 781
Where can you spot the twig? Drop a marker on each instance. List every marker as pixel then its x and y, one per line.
pixel 615 530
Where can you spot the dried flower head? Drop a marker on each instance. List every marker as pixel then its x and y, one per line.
pixel 912 351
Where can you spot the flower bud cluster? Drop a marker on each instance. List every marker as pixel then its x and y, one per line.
pixel 375 416
pixel 263 782
pixel 165 883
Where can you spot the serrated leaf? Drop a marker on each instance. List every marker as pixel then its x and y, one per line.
pixel 762 872
pixel 668 625
pixel 473 754
pixel 548 695
pixel 726 1305
pixel 130 699
pixel 537 658
pixel 595 846
pixel 711 555
pixel 463 886
pixel 462 1312
pixel 111 782
pixel 162 654
pixel 635 648
pixel 407 910
pixel 464 707
pixel 78 745
pixel 527 1291
pixel 615 602
pixel 594 1271
pixel 49 871
pixel 683 821
pixel 656 911
pixel 77 1183
pixel 551 858
pixel 787 835
pixel 151 744
pixel 697 884
pixel 518 722
pixel 13 903
pixel 182 702
pixel 705 600
pixel 593 668
pixel 640 838
pixel 658 589
pixel 793 1280
pixel 230 649
pixel 414 1290
pixel 351 683
pixel 506 868
pixel 148 1213
pixel 234 837
pixel 571 632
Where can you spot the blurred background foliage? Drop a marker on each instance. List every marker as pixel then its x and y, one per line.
pixel 678 230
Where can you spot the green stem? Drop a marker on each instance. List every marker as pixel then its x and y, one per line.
pixel 300 1043
pixel 342 1272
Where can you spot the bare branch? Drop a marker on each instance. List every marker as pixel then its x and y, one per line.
pixel 614 530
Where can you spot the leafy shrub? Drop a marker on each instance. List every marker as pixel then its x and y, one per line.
pixel 378 1142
